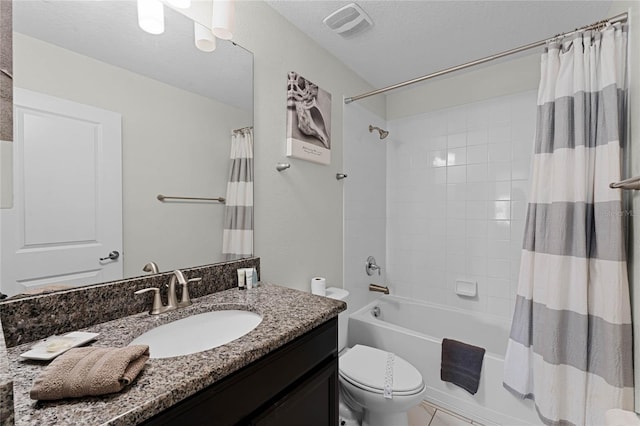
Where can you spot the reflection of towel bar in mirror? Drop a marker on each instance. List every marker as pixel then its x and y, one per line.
pixel 167 197
pixel 631 183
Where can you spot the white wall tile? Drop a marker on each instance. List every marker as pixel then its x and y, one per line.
pixel 477 115
pixel 457 191
pixel 476 210
pixel 456 228
pixel 437 142
pixel 477 154
pixel 476 265
pixel 437 158
pixel 499 171
pixel 520 190
pixel 477 172
pixel 520 169
pixel 476 191
pixel 499 249
pixel 500 110
pixel 498 268
pixel 497 287
pixel 457 119
pixel 499 152
pixel 456 140
pixel 457 156
pixel 477 137
pixel 457 186
pixel 499 306
pixel 456 174
pixel 499 191
pixel 477 229
pixel 499 210
pixel 498 230
pixel 499 134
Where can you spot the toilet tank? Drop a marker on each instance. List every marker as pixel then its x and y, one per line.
pixel 343 317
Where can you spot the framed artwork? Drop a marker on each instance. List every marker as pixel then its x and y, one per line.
pixel 308 120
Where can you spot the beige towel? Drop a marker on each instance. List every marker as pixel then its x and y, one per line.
pixel 90 371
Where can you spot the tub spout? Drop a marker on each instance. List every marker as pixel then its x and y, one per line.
pixel 379 288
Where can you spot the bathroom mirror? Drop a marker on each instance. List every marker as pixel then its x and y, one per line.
pixel 178 106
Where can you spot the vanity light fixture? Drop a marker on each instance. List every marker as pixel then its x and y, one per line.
pixel 180 4
pixel 151 16
pixel 204 38
pixel 223 20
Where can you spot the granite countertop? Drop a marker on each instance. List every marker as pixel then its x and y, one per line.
pixel 287 314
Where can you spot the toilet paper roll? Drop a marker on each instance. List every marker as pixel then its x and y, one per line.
pixel 319 286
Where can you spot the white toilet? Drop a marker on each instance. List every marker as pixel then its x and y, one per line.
pixel 363 375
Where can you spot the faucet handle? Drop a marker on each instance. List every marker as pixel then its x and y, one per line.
pixel 157 303
pixel 371 265
pixel 186 299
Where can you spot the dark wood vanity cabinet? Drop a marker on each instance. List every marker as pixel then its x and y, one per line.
pixel 295 385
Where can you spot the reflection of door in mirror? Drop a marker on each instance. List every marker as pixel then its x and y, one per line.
pixel 179 107
pixel 67 212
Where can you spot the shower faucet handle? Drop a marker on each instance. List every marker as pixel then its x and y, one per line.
pixel 371 266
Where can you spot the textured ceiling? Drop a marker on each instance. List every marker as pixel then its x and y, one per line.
pixel 108 31
pixel 414 38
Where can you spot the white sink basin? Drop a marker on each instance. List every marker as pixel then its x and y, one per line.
pixel 198 333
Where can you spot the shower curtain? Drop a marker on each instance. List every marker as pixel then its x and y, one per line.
pixel 570 347
pixel 237 237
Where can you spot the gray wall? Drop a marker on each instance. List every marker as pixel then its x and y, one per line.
pixel 299 212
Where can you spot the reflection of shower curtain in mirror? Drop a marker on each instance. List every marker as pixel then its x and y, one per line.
pixel 570 348
pixel 237 239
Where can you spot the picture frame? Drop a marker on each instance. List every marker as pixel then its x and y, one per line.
pixel 308 120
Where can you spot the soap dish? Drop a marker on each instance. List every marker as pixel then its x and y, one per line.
pixel 53 346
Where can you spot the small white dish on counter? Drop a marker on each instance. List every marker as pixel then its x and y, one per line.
pixel 53 346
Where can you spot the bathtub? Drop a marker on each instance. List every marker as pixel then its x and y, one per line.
pixel 414 331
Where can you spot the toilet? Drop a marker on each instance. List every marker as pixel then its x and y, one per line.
pixel 363 376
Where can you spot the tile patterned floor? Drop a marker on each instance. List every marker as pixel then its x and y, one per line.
pixel 427 414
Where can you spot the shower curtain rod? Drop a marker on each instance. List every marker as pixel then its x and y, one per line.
pixel 613 20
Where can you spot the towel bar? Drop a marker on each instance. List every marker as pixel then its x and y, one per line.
pixel 166 197
pixel 631 183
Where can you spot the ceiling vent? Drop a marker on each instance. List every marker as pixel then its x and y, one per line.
pixel 348 21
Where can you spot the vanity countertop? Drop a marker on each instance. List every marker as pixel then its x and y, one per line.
pixel 287 314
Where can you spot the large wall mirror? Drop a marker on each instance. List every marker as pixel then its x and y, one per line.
pixel 85 70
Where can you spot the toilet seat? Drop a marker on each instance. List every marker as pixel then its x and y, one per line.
pixel 365 367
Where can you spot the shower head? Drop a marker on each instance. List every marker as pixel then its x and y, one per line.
pixel 383 133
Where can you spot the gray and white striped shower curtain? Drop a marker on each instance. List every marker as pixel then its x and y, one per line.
pixel 237 237
pixel 570 348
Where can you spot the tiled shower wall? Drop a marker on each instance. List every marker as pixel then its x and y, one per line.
pixel 457 185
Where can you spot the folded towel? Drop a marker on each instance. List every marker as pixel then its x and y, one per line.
pixel 461 364
pixel 90 371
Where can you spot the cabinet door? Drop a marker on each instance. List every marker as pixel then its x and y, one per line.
pixel 314 402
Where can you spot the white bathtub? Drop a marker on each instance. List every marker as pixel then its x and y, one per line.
pixel 414 331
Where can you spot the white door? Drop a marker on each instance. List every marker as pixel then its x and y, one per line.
pixel 67 210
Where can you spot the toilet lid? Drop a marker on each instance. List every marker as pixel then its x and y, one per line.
pixel 367 366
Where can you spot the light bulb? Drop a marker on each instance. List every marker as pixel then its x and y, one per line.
pixel 204 38
pixel 151 16
pixel 223 20
pixel 180 4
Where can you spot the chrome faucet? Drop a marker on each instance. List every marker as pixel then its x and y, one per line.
pixel 379 288
pixel 371 266
pixel 172 298
pixel 151 267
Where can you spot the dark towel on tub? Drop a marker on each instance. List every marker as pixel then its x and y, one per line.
pixel 461 364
